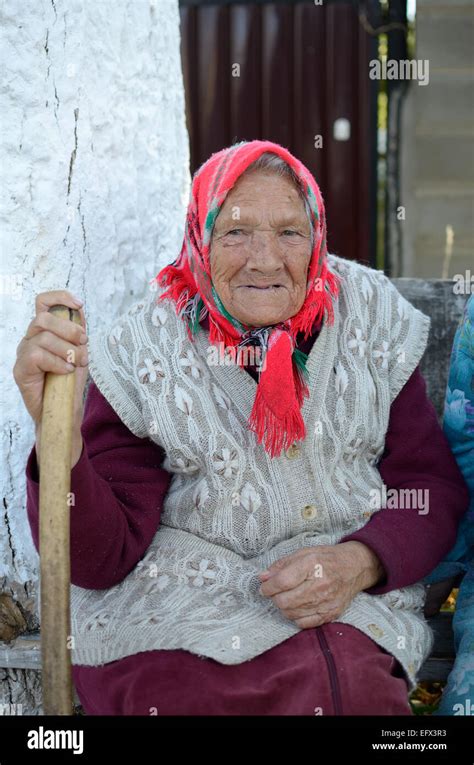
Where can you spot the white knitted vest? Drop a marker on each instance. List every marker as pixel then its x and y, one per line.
pixel 231 510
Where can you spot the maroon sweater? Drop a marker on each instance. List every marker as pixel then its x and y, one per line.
pixel 119 487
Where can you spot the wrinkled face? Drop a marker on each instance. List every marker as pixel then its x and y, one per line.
pixel 260 249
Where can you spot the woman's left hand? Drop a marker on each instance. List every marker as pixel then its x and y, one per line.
pixel 315 585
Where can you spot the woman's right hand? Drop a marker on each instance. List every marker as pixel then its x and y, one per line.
pixel 55 345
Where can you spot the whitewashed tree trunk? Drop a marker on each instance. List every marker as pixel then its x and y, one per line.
pixel 95 170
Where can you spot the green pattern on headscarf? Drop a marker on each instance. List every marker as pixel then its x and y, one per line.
pixel 314 202
pixel 300 358
pixel 194 325
pixel 210 220
pixel 225 313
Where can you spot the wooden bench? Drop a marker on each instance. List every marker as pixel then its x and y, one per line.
pixel 435 297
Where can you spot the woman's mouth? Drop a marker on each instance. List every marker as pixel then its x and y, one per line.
pixel 256 287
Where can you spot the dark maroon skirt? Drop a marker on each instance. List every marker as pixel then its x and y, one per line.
pixel 330 670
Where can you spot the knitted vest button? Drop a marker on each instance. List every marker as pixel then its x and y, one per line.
pixel 293 452
pixel 309 512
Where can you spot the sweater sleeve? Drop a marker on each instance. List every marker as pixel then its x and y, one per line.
pixel 118 486
pixel 410 542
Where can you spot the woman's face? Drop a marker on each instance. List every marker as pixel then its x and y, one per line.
pixel 260 249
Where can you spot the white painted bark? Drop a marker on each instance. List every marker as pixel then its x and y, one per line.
pixel 95 168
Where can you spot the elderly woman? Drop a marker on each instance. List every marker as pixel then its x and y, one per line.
pixel 241 539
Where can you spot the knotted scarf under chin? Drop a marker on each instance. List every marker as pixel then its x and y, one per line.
pixel 276 417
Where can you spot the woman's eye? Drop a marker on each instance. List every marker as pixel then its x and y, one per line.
pixel 290 231
pixel 235 231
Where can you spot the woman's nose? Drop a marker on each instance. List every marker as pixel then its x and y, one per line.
pixel 265 252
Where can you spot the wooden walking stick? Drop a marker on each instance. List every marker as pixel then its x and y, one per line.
pixel 54 534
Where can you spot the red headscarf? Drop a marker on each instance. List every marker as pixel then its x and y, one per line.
pixel 276 414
